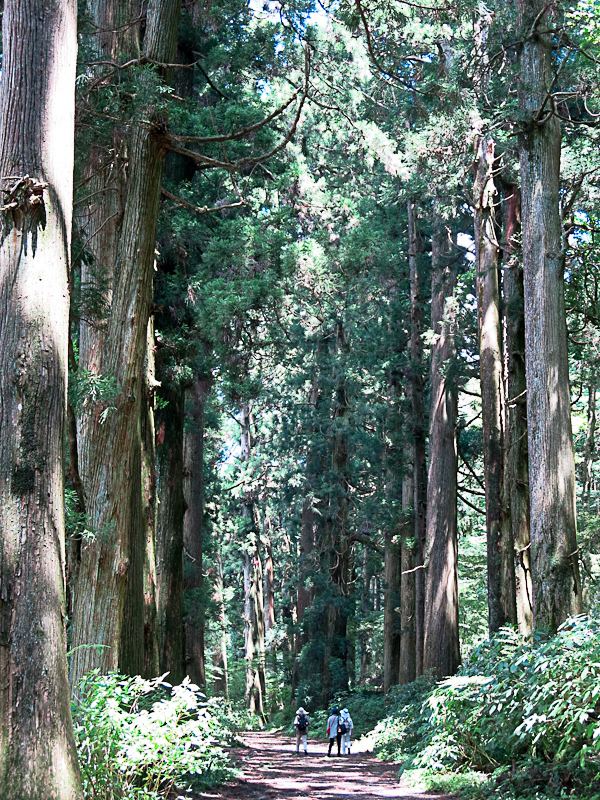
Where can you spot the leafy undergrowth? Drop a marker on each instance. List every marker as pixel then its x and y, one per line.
pixel 141 738
pixel 520 720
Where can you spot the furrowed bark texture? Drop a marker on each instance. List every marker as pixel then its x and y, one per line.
pixel 169 557
pixel 554 554
pixel 441 646
pixel 105 562
pixel 516 462
pixel 408 650
pixel 38 760
pixel 419 429
pixel 193 534
pixel 500 551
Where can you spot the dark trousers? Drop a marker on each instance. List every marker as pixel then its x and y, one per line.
pixel 338 738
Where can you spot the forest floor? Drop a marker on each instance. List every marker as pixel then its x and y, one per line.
pixel 271 770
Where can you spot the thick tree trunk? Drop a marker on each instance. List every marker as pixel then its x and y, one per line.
pixel 37 750
pixel 502 608
pixel 419 430
pixel 114 489
pixel 516 464
pixel 193 538
pixel 408 649
pixel 171 510
pixel 554 553
pixel 441 647
pixel 219 659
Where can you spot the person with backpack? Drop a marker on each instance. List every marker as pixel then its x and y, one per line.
pixel 346 726
pixel 301 723
pixel 333 730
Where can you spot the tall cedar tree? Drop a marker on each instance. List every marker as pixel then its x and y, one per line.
pixel 37 748
pixel 114 488
pixel 554 553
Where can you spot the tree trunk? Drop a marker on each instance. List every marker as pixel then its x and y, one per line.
pixel 114 488
pixel 502 608
pixel 391 616
pixel 516 463
pixel 37 750
pixel 590 445
pixel 254 608
pixel 305 595
pixel 408 650
pixel 219 660
pixel 269 585
pixel 419 430
pixel 441 647
pixel 171 510
pixel 554 553
pixel 149 512
pixel 193 535
pixel 338 551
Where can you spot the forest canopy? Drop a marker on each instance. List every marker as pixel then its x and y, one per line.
pixel 299 367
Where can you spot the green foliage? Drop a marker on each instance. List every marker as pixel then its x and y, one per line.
pixel 533 706
pixel 140 738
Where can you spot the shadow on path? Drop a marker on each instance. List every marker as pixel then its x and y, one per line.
pixel 271 770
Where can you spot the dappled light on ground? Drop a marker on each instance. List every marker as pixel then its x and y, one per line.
pixel 271 770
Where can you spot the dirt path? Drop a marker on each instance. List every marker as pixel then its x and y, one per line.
pixel 271 770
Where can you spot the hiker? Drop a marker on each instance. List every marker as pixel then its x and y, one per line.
pixel 301 723
pixel 346 726
pixel 333 730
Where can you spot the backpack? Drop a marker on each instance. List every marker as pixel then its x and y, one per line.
pixel 342 727
pixel 302 723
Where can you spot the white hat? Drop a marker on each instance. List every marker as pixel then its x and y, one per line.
pixel 301 711
pixel 344 711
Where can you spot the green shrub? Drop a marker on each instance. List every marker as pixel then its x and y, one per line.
pixel 140 739
pixel 533 706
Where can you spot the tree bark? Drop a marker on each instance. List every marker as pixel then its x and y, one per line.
pixel 38 759
pixel 105 562
pixel 502 608
pixel 193 538
pixel 254 604
pixel 337 545
pixel 419 430
pixel 149 512
pixel 171 510
pixel 391 616
pixel 408 650
pixel 554 553
pixel 305 594
pixel 516 462
pixel 219 660
pixel 590 445
pixel 441 652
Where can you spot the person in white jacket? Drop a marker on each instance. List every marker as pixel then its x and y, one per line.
pixel 346 726
pixel 301 723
